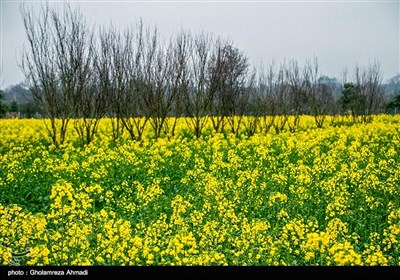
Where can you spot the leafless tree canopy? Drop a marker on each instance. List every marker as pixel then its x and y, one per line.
pixel 57 64
pixel 137 79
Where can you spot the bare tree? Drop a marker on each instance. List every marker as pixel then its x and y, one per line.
pixel 124 98
pixel 373 91
pixel 241 90
pixel 179 75
pixel 159 97
pixel 281 96
pixel 255 106
pixel 215 69
pixel 198 97
pixel 297 94
pixel 92 102
pixel 57 63
pixel 269 86
pixel 116 79
pixel 228 80
pixel 134 56
pixel 320 95
pixel 364 95
pixel 40 69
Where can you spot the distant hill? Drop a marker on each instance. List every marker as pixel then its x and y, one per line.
pixel 18 93
pixel 392 87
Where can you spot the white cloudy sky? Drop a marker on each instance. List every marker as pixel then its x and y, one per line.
pixel 339 33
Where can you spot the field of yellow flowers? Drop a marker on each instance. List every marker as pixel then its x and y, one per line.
pixel 326 196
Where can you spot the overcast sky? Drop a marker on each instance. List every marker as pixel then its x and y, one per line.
pixel 339 33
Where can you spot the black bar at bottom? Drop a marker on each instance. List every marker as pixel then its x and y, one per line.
pixel 187 272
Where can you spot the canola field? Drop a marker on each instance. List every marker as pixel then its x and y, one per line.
pixel 312 197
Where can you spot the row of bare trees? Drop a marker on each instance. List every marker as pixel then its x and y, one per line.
pixel 137 79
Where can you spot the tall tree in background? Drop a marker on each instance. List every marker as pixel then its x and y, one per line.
pixel 373 91
pixel 131 50
pixel 394 104
pixel 364 95
pixel 56 63
pixel 117 79
pixel 268 87
pixel 91 103
pixel 198 97
pixel 254 108
pixel 281 96
pixel 179 74
pixel 297 94
pixel 3 107
pixel 228 81
pixel 349 99
pixel 124 63
pixel 319 94
pixel 158 96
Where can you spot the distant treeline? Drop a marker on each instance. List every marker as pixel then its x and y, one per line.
pixel 76 72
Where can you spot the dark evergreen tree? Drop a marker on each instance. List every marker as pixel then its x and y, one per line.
pixel 3 106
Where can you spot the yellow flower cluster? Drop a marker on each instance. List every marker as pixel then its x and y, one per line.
pixel 312 197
